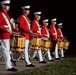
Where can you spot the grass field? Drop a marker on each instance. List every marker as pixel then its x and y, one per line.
pixel 65 67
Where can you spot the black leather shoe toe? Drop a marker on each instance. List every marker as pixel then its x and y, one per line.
pixel 12 69
pixel 31 65
pixel 42 62
pixel 51 60
pixel 57 59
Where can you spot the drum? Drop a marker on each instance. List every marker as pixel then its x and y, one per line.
pixel 60 45
pixel 17 43
pixel 35 43
pixel 66 45
pixel 45 45
pixel 32 43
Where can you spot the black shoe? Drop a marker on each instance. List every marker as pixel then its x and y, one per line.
pixel 35 58
pixel 42 62
pixel 13 61
pixel 57 59
pixel 12 69
pixel 51 60
pixel 63 57
pixel 31 65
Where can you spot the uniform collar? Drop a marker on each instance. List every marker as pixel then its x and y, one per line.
pixel 4 11
pixel 59 28
pixel 24 14
pixel 53 25
pixel 36 20
pixel 44 26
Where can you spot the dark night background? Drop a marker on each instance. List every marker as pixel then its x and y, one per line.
pixel 63 10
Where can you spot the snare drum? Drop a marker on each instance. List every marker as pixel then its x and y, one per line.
pixel 66 44
pixel 46 45
pixel 35 43
pixel 60 45
pixel 32 43
pixel 17 43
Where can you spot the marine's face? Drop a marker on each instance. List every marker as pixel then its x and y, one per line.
pixel 6 7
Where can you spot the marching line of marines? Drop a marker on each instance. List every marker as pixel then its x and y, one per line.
pixel 30 30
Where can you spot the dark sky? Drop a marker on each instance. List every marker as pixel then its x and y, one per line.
pixel 63 10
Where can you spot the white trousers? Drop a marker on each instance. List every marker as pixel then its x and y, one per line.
pixel 5 43
pixel 56 51
pixel 26 52
pixel 39 54
pixel 49 55
pixel 62 52
pixel 34 54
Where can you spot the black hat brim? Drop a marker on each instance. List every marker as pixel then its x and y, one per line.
pixel 26 9
pixel 7 4
pixel 38 14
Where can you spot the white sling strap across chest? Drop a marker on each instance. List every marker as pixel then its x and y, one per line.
pixel 38 27
pixel 55 33
pixel 61 32
pixel 47 32
pixel 7 21
pixel 27 21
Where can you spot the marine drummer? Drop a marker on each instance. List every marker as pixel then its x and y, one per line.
pixel 24 24
pixel 37 30
pixel 5 31
pixel 53 35
pixel 46 36
pixel 60 38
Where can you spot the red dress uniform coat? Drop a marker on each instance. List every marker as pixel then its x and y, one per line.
pixel 53 32
pixel 24 29
pixel 36 27
pixel 3 33
pixel 59 33
pixel 44 31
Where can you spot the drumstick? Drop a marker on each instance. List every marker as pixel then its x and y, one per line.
pixel 35 34
pixel 44 36
pixel 15 32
